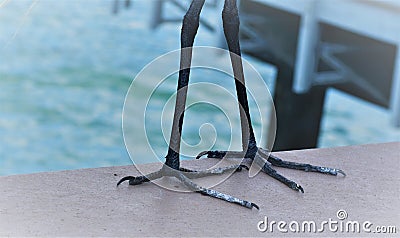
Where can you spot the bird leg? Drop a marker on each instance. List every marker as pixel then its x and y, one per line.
pixel 250 150
pixel 171 167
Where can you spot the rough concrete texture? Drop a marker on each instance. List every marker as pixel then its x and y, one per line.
pixel 88 203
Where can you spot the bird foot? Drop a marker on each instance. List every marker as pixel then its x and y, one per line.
pixel 266 160
pixel 186 175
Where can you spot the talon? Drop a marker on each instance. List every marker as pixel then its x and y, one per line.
pixel 241 166
pixel 201 154
pixel 133 180
pixel 255 206
pixel 340 172
pixel 297 187
pixel 332 171
pixel 300 188
pixel 124 179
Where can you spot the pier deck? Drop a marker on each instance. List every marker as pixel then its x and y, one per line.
pixel 87 202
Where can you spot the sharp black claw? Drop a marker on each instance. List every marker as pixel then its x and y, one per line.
pixel 240 167
pixel 124 179
pixel 296 187
pixel 340 172
pixel 201 154
pixel 255 206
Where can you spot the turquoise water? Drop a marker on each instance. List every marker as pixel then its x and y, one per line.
pixel 65 67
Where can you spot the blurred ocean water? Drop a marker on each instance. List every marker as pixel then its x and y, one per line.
pixel 65 67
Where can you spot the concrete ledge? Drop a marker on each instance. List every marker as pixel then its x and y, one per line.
pixel 87 203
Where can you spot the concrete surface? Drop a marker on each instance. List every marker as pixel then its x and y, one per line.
pixel 88 203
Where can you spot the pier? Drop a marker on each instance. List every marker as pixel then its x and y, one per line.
pixel 349 45
pixel 87 202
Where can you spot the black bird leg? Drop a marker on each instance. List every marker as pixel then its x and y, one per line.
pixel 250 150
pixel 230 19
pixel 171 166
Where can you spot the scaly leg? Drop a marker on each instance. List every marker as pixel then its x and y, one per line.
pixel 249 145
pixel 172 163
